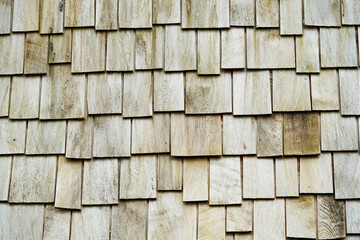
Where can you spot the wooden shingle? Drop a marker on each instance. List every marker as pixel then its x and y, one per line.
pixel 270 135
pixel 242 13
pixel 195 180
pixel 5 16
pixel 239 218
pixel 56 223
pixel 211 222
pixel 5 173
pixel 350 91
pixel 4 96
pixel 208 55
pixel 79 13
pixel 120 51
pixel 13 142
pixel 106 15
pixel 36 53
pixel 322 13
pixel 350 10
pixel 25 15
pixel 291 17
pixel 78 138
pixel 12 49
pixel 169 173
pixel 51 16
pixel 166 11
pixel 325 90
pixel 242 236
pixel 267 13
pixel 287 180
pixel 135 14
pixel 307 51
pixel 353 217
pixel 60 47
pixel 233 48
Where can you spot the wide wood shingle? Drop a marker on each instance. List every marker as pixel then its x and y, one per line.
pixel 135 14
pixel 12 49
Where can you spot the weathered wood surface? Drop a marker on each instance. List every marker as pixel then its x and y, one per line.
pixel 36 53
pixel 325 91
pixel 208 55
pixel 353 216
pixel 56 223
pixel 195 135
pixel 251 93
pixel 300 217
pixel 104 93
pixel 51 16
pixel 287 179
pixel 151 135
pixel 5 16
pixel 166 11
pixel 120 51
pixel 25 15
pixel 267 14
pixel 170 218
pixel 290 92
pixel 13 142
pixel 12 49
pixel 60 47
pixel 106 15
pixel 25 97
pixel 350 91
pixel 233 48
pixel 4 96
pixel 258 178
pixel 242 13
pixel 307 51
pixel 32 179
pixel 291 17
pixel 135 14
pixel 239 218
pixel 138 177
pixel 45 137
pixel 170 173
pixel 112 136
pixel 78 138
pixel 211 222
pixel 79 13
pixel 270 135
pixel 322 13
pixel 350 10
pixel 68 184
pixel 208 94
pixel 168 92
pixel 195 179
pixel 243 236
pixel 5 174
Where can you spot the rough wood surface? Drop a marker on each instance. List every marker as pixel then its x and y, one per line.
pixel 287 180
pixel 4 96
pixel 242 13
pixel 79 13
pixel 211 222
pixel 291 17
pixel 208 52
pixel 307 51
pixel 270 135
pixel 195 179
pixel 60 47
pixel 135 14
pixel 325 90
pixel 36 53
pixel 25 15
pixel 5 173
pixel 170 173
pixel 353 216
pixel 13 142
pixel 5 16
pixel 78 139
pixel 56 223
pixel 322 13
pixel 233 48
pixel 12 49
pixel 120 51
pixel 239 218
pixel 267 14
pixel 51 16
pixel 350 10
pixel 166 11
pixel 106 15
pixel 350 91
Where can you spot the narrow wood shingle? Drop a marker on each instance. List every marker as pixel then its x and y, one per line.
pixel 5 85
pixel 170 174
pixel 13 142
pixel 350 91
pixel 208 46
pixel 60 47
pixel 195 180
pixel 5 174
pixel 51 16
pixel 242 13
pixel 12 49
pixel 211 222
pixel 5 16
pixel 36 53
pixel 239 218
pixel 233 48
pixel 287 179
pixel 78 138
pixel 25 16
pixel 270 136
pixel 267 13
pixel 325 90
pixel 120 51
pixel 106 15
pixel 307 52
pixel 56 223
pixel 291 18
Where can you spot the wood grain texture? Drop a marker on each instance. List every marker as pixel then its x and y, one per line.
pixel 25 16
pixel 169 175
pixel 353 216
pixel 138 177
pixel 208 55
pixel 168 92
pixel 195 135
pixel 90 223
pixel 243 236
pixel 325 90
pixel 290 92
pixel 242 13
pixel 307 51
pixel 270 135
pixel 56 223
pixel 347 175
pixel 349 14
pixel 166 12
pixel 106 15
pixel 100 182
pixel 267 50
pixel 12 49
pixel 135 14
pixel 239 218
pixel 300 217
pixel 88 51
pixel 5 16
pixel 338 133
pixel 233 48
pixel 208 94
pixel 301 134
pixel 251 93
pixel 62 94
pixel 211 222
pixel 129 220
pixel 287 179
pixel 170 218
pixel 179 59
pixel 138 94
pixel 13 142
pixel 151 135
pixel 32 179
pixel 291 17
pixel 239 135
pixel 5 173
pixel 78 138
pixel 4 96
pixel 51 16
pixel 322 13
pixel 68 184
pixel 195 179
pixel 79 13
pixel 60 47
pixel 36 53
pixel 104 93
pixel 338 47
pixel 111 136
pixel 331 217
pixel 45 137
pixel 269 220
pixel 120 51
pixel 25 97
pixel 149 46
pixel 349 91
pixel 267 14
pixel 258 178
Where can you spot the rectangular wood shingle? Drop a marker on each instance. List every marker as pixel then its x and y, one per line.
pixel 51 16
pixel 287 180
pixel 4 96
pixel 233 48
pixel 325 90
pixel 56 223
pixel 307 51
pixel 322 13
pixel 350 91
pixel 60 47
pixel 12 136
pixel 208 45
pixel 78 138
pixel 350 10
pixel 211 222
pixel 12 49
pixel 135 14
pixel 270 135
pixel 120 51
pixel 195 180
pixel 239 218
pixel 166 11
pixel 79 13
pixel 169 173
pixel 267 13
pixel 242 13
pixel 353 217
pixel 106 15
pixel 291 17
pixel 26 15
pixel 36 53
pixel 5 16
pixel 5 173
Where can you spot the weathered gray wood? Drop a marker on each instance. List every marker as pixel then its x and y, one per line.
pixel 36 53
pixel 129 220
pixel 251 93
pixel 135 14
pixel 12 136
pixel 267 14
pixel 25 97
pixel 195 135
pixel 88 51
pixel 56 224
pixel 100 182
pixel 233 48
pixel 138 177
pixel 242 13
pixel 291 19
pixel 195 180
pixel 111 136
pixel 300 217
pixel 239 135
pixel 258 178
pixel 239 218
pixel 349 91
pixel 5 165
pixel 266 49
pixel 290 92
pixel 60 47
pixel 120 51
pixel 170 173
pixel 179 59
pixel 243 236
pixel 353 216
pixel 32 179
pixel 211 222
pixel 4 96
pixel 307 51
pixel 45 137
pixel 79 13
pixel 350 11
pixel 287 180
pixel 168 92
pixel 62 94
pixel 68 184
pixel 51 16
pixel 78 138
pixel 270 135
pixel 170 211
pixel 25 16
pixel 208 94
pixel 338 47
pixel 322 13
pixel 166 11
pixel 12 48
pixel 5 16
pixel 338 133
pixel 325 90
pixel 90 223
pixel 208 55
pixel 106 15
pixel 149 46
pixel 331 217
